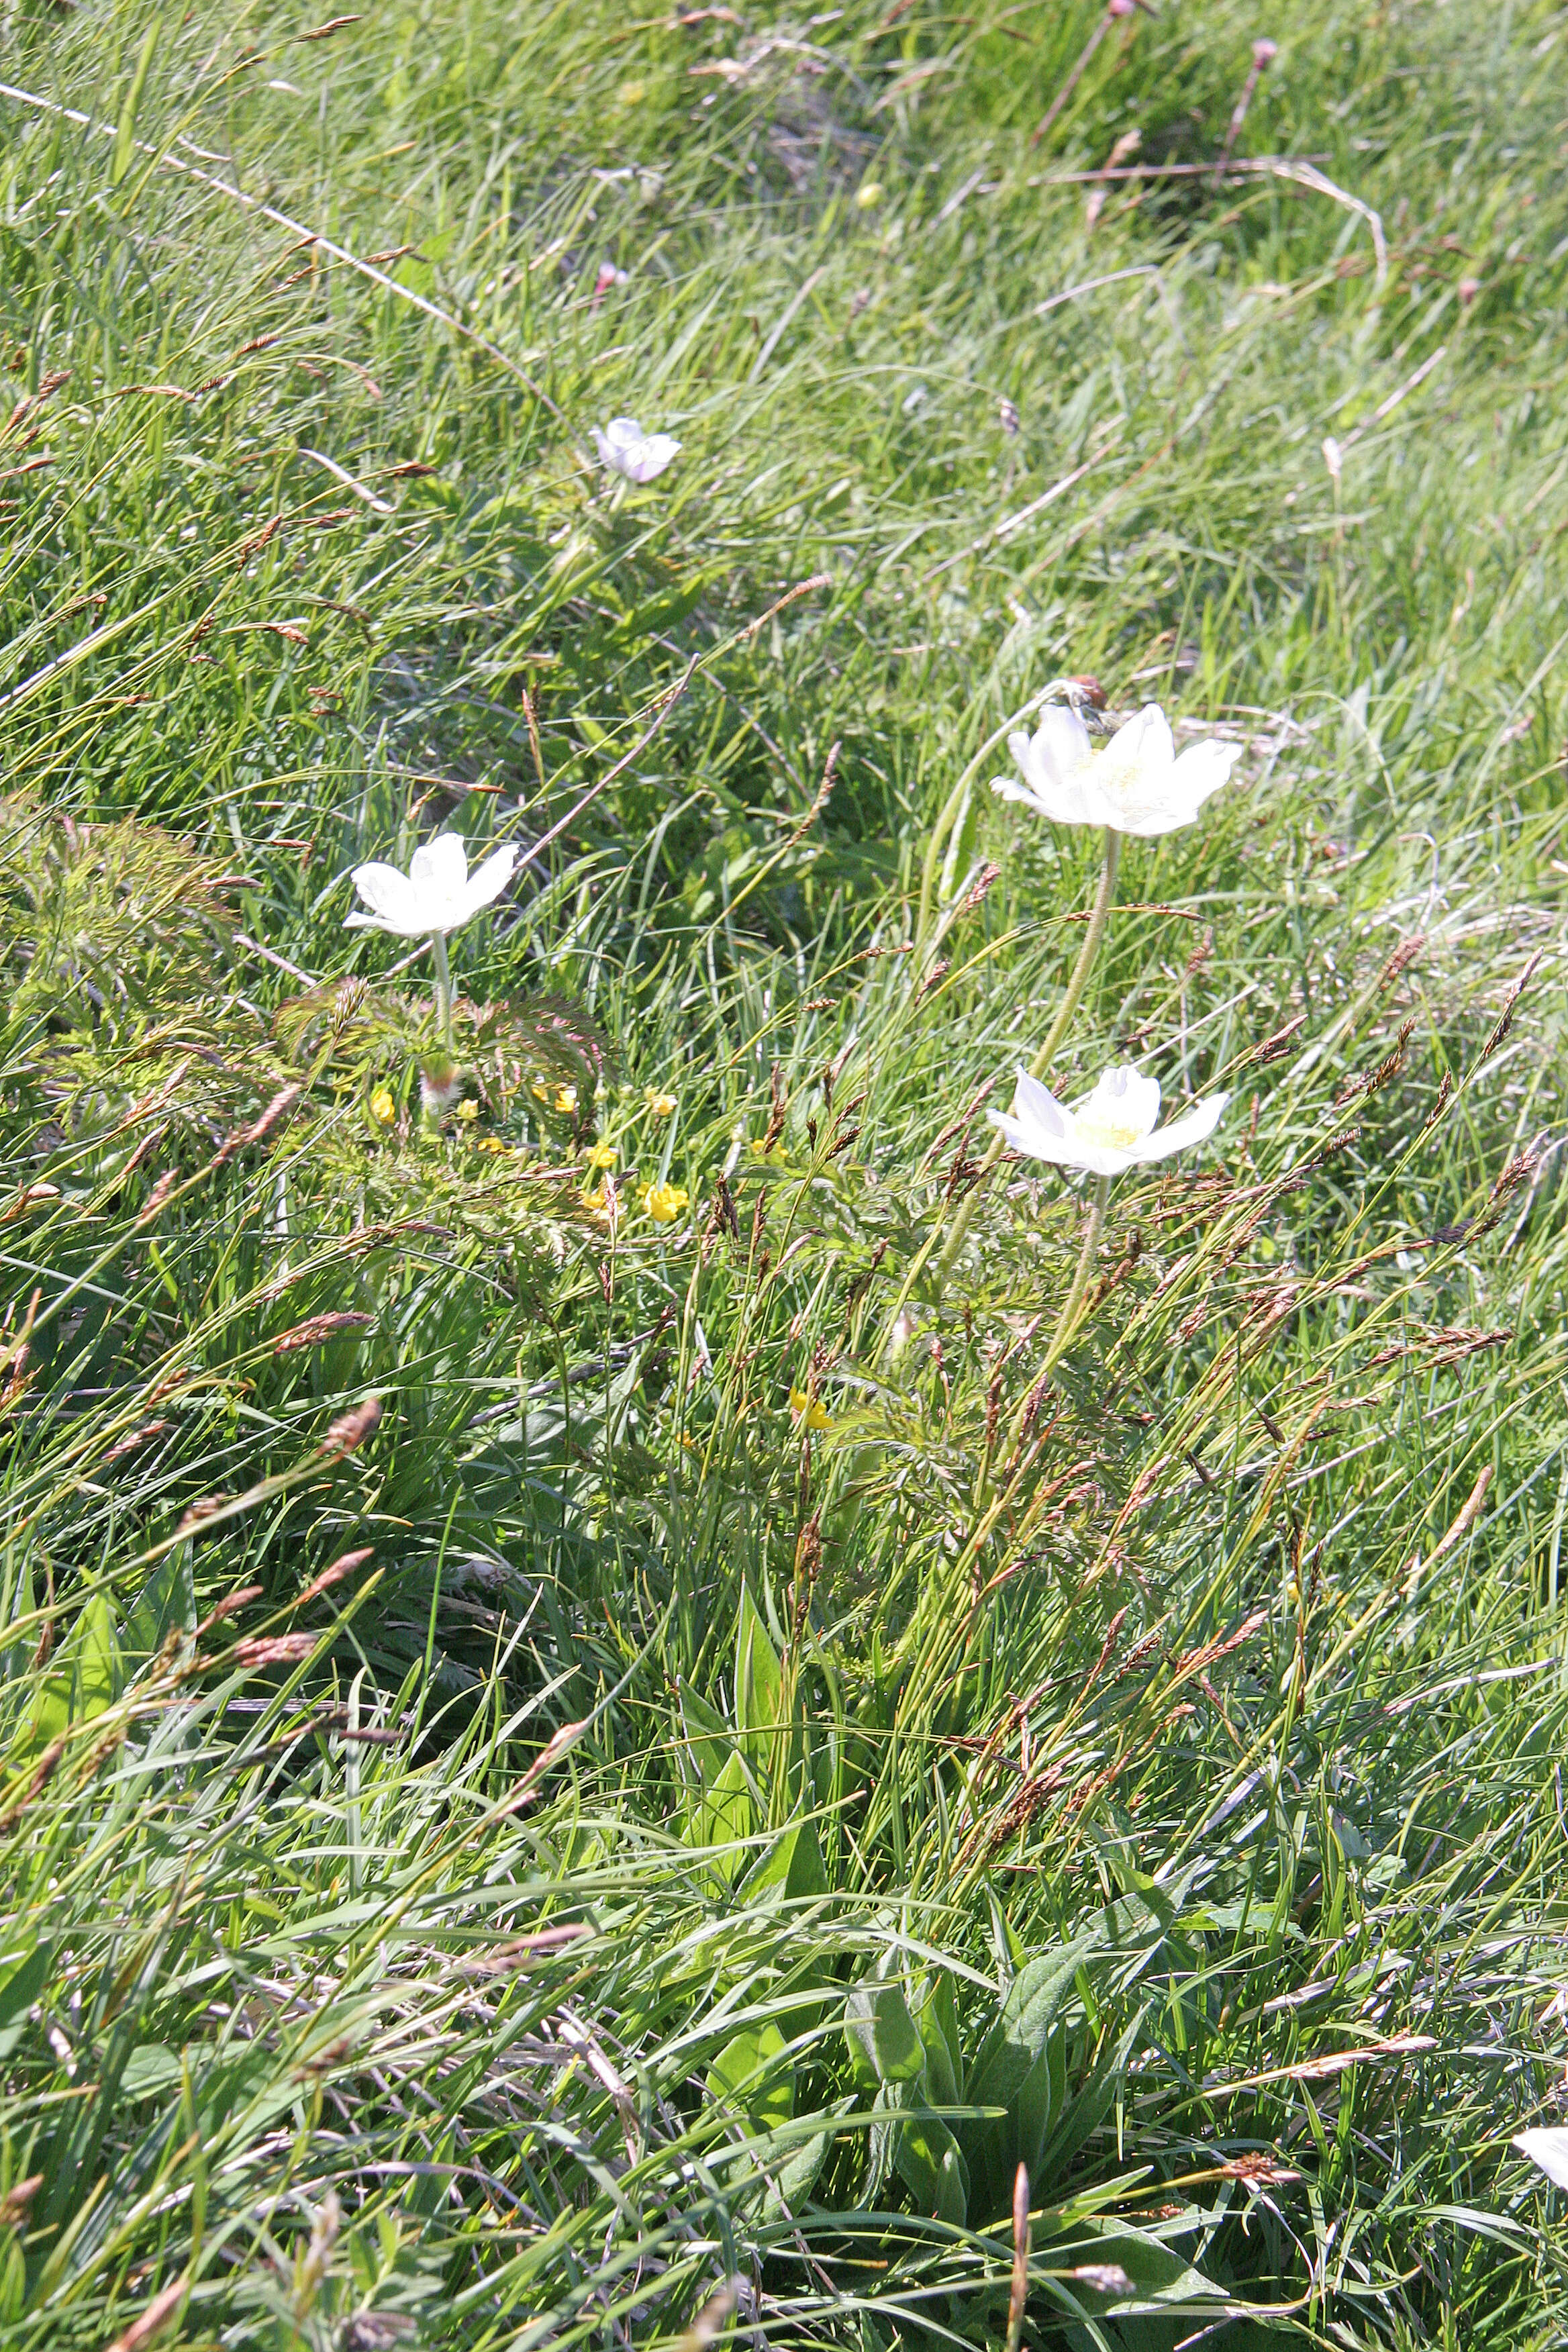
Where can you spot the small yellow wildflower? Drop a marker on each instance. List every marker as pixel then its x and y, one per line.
pixel 816 1415
pixel 597 1204
pixel 601 1155
pixel 561 1098
pixel 763 1149
pixel 468 1111
pixel 663 1203
pixel 660 1104
pixel 383 1108
pixel 491 1143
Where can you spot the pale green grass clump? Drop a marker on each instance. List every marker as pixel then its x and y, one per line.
pixel 570 1774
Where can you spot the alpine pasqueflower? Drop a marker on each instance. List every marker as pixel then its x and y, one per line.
pixel 1110 1130
pixel 1136 784
pixel 628 450
pixel 436 895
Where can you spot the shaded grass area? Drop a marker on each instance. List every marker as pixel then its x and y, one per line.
pixel 576 1777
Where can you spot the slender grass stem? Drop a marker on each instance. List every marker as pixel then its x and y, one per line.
pixel 1100 916
pixel 948 814
pixel 1073 1303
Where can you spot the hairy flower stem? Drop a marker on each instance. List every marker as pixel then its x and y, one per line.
pixel 1081 1273
pixel 1100 916
pixel 443 991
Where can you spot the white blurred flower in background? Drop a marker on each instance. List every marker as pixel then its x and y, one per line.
pixel 628 450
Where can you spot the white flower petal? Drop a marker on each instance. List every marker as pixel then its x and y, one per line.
pixel 1195 1128
pixel 1145 820
pixel 1548 2147
pixel 650 458
pixel 1202 768
pixel 1009 789
pixel 489 880
pixel 436 894
pixel 1122 1110
pixel 1111 1130
pixel 440 867
pixel 1139 756
pixel 1039 1127
pixel 1060 747
pixel 1036 1103
pixel 1064 1152
pixel 1136 785
pixel 391 898
pixel 1067 803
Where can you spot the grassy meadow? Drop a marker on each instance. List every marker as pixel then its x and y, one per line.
pixel 601 1740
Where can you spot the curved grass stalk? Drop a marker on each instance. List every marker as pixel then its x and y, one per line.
pixel 1068 1321
pixel 947 815
pixel 1100 916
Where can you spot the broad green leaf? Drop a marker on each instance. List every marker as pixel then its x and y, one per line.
pixel 1154 2276
pixel 1023 2021
pixel 724 1818
pixel 937 2018
pixel 752 2076
pixel 793 1865
pixel 884 2045
pixel 83 1680
pixel 931 2164
pixel 709 1741
pixel 151 2067
pixel 759 1682
pixel 795 2178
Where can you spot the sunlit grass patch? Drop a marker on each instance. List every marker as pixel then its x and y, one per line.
pixel 642 1647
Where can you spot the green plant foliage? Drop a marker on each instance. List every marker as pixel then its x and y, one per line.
pixel 590 1752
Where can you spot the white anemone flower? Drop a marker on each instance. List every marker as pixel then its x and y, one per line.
pixel 626 449
pixel 1549 2149
pixel 1110 1130
pixel 436 895
pixel 1136 784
